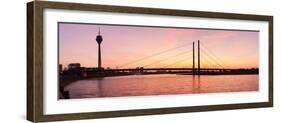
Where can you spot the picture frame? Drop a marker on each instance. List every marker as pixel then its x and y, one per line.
pixel 36 42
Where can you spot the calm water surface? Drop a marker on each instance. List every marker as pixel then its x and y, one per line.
pixel 162 84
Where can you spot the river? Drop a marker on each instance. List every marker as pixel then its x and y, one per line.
pixel 161 84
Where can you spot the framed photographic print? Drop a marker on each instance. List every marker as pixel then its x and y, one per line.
pixel 96 61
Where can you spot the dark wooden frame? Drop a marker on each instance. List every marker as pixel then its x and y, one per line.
pixel 35 60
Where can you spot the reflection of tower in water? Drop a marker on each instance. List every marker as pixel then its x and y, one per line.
pixel 99 87
pixel 196 84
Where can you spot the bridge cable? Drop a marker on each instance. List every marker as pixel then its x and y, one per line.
pixel 217 59
pixel 179 61
pixel 156 54
pixel 182 53
pixel 210 62
pixel 213 59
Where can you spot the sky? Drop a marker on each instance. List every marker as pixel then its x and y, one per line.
pixel 153 47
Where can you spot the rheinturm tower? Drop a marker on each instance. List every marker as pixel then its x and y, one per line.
pixel 99 40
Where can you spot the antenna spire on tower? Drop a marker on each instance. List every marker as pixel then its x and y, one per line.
pixel 99 30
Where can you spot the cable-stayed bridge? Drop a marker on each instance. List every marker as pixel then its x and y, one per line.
pixel 193 56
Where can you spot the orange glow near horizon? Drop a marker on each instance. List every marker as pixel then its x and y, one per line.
pixel 154 47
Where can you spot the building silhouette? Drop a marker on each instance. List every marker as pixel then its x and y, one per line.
pixel 74 66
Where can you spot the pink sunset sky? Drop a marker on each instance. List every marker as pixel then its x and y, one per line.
pixel 133 46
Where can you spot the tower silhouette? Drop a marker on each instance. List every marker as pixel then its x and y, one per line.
pixel 99 40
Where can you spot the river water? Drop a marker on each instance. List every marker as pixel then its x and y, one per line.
pixel 161 84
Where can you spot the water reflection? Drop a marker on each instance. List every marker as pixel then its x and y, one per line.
pixel 164 84
pixel 99 83
pixel 196 84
